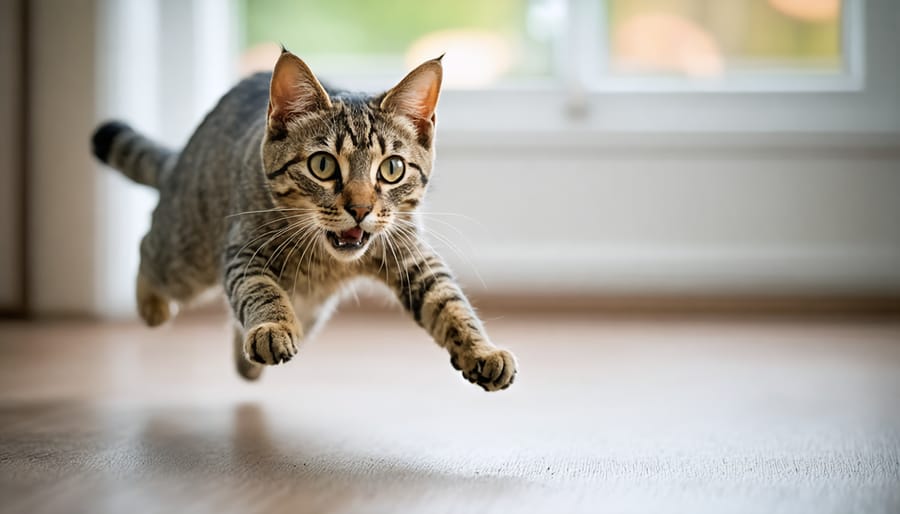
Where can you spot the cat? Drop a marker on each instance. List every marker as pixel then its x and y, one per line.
pixel 287 192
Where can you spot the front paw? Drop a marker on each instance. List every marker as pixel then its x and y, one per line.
pixel 271 343
pixel 492 369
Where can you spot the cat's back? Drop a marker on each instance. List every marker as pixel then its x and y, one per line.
pixel 217 169
pixel 241 108
pixel 226 142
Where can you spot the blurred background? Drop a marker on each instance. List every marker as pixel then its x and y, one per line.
pixel 651 150
pixel 681 216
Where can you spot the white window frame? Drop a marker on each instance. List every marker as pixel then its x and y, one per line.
pixel 588 66
pixel 865 99
pixel 579 105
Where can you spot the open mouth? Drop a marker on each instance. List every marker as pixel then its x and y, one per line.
pixel 348 240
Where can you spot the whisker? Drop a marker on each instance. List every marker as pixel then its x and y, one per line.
pixel 286 242
pixel 410 243
pixel 275 209
pixel 306 247
pixel 400 270
pixel 383 256
pixel 299 238
pixel 278 234
pixel 452 247
pixel 308 240
pixel 454 214
pixel 452 227
pixel 284 218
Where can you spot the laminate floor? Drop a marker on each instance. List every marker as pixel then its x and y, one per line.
pixel 614 414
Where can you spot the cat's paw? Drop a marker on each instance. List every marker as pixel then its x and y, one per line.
pixel 493 369
pixel 153 307
pixel 271 343
pixel 154 310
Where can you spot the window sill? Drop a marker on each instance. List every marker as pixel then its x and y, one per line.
pixel 582 143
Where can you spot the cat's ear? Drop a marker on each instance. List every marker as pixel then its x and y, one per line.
pixel 294 91
pixel 416 95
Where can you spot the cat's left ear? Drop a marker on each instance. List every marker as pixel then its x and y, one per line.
pixel 416 96
pixel 294 91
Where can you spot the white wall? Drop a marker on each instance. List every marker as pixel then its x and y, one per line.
pixel 662 215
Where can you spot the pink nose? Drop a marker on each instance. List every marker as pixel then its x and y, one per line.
pixel 359 212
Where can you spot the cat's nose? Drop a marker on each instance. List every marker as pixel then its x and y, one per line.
pixel 359 212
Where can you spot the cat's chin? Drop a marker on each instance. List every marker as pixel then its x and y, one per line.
pixel 347 246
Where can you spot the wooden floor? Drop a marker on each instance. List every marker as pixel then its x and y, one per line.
pixel 624 414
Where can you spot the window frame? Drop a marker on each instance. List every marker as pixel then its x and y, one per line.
pixel 865 101
pixel 592 74
pixel 576 108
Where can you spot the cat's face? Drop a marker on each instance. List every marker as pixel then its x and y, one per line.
pixel 351 165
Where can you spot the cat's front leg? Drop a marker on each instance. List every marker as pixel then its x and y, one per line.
pixel 427 289
pixel 271 330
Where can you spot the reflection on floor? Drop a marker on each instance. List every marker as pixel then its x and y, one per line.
pixel 621 414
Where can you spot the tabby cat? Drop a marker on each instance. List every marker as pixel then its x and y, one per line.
pixel 285 194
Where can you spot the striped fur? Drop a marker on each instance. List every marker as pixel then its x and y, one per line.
pixel 139 158
pixel 240 207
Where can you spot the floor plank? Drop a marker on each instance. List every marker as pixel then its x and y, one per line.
pixel 616 414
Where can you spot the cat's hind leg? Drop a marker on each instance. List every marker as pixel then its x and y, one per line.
pixel 245 368
pixel 153 306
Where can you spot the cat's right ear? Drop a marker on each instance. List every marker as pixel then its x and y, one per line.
pixel 294 91
pixel 416 96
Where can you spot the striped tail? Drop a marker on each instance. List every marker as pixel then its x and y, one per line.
pixel 136 156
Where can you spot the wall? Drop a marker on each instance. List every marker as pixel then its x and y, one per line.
pixel 93 60
pixel 604 213
pixel 740 214
pixel 61 227
pixel 11 278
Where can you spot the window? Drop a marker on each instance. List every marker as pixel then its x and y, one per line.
pixel 599 44
pixel 487 42
pixel 703 38
pixel 590 67
pixel 739 45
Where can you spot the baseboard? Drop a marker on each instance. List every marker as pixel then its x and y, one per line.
pixel 713 304
pixel 679 271
pixel 13 313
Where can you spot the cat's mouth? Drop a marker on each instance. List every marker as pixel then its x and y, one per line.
pixel 348 240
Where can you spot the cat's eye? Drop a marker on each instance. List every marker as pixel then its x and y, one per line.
pixel 322 165
pixel 392 169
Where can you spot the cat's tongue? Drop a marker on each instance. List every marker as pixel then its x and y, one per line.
pixel 351 236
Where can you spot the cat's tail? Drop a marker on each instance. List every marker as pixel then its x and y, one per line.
pixel 137 157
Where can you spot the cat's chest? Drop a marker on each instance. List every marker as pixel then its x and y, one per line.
pixel 314 301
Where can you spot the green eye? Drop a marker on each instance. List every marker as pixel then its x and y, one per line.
pixel 392 169
pixel 322 165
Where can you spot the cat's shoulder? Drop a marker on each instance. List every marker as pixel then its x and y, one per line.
pixel 246 99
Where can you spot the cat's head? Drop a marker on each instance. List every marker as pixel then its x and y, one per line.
pixel 352 165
